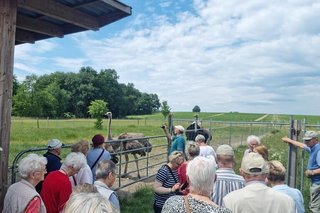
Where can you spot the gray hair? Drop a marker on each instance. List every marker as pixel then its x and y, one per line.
pixel 252 138
pixel 201 172
pixel 200 138
pixel 193 150
pixel 104 168
pixel 80 146
pixel 84 188
pixel 88 202
pixel 77 160
pixel 31 163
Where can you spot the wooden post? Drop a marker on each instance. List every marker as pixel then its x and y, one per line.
pixel 8 16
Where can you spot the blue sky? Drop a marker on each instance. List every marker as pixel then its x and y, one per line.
pixel 244 56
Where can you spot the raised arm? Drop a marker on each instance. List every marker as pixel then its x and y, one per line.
pixel 293 142
pixel 165 130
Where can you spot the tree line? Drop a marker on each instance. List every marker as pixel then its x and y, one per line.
pixel 62 94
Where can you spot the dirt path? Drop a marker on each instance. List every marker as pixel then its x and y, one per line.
pixel 262 117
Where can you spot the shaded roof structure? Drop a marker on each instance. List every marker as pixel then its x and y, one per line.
pixel 28 21
pixel 42 19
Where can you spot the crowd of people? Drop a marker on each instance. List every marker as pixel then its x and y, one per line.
pixel 196 179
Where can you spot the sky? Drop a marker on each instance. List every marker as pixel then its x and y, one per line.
pixel 252 56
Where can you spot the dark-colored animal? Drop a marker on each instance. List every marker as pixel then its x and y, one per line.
pixel 195 129
pixel 127 143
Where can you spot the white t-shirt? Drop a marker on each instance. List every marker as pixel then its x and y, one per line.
pixel 83 176
pixel 206 151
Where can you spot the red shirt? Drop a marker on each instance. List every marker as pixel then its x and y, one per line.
pixel 182 174
pixel 56 190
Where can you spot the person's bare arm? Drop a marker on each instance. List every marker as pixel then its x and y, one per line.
pixel 159 189
pixel 293 142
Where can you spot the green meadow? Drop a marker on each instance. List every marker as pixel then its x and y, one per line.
pixel 32 133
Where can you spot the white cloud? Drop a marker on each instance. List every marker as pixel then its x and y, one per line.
pixel 253 56
pixel 69 64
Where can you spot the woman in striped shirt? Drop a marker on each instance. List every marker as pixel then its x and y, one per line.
pixel 167 182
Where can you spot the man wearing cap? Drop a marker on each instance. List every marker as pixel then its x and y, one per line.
pixel 178 141
pixel 312 146
pixel 53 158
pixel 227 180
pixel 256 196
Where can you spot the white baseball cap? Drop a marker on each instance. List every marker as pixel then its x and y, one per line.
pixel 54 144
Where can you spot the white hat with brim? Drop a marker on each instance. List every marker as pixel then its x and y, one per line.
pixel 181 129
pixel 310 135
pixel 254 164
pixel 54 144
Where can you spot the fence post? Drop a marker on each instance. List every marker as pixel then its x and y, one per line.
pixel 295 129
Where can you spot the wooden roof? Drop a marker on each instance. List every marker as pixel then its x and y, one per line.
pixel 42 19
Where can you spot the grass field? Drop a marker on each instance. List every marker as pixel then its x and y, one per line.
pixel 30 133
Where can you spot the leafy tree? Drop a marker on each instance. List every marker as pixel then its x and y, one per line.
pixel 165 109
pixel 97 109
pixel 15 85
pixel 196 108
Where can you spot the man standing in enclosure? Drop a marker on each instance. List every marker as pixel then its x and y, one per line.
pixel 312 146
pixel 177 141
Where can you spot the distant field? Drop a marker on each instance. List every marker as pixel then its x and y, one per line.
pixel 232 116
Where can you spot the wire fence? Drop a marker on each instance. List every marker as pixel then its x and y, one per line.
pixel 222 132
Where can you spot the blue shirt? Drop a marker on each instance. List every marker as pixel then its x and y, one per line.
pixel 93 155
pixel 178 144
pixel 295 194
pixel 314 161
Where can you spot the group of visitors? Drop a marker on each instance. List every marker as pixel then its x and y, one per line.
pixel 209 184
pixel 196 179
pixel 81 183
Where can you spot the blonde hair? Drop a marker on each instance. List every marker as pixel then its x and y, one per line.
pixel 175 155
pixel 263 151
pixel 88 202
pixel 277 172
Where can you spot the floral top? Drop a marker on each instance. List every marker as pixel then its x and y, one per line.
pixel 175 204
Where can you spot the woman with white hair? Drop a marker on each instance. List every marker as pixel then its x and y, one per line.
pixel 57 187
pixel 88 202
pixel 167 183
pixel 22 196
pixel 252 142
pixel 201 174
pixel 85 174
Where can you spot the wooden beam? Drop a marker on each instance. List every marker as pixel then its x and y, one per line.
pixel 112 17
pixel 8 14
pixel 119 6
pixel 39 26
pixel 61 12
pixel 25 37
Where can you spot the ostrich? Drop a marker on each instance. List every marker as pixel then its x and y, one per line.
pixel 195 129
pixel 138 145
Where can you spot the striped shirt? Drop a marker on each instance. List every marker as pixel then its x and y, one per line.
pixel 227 181
pixel 165 177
